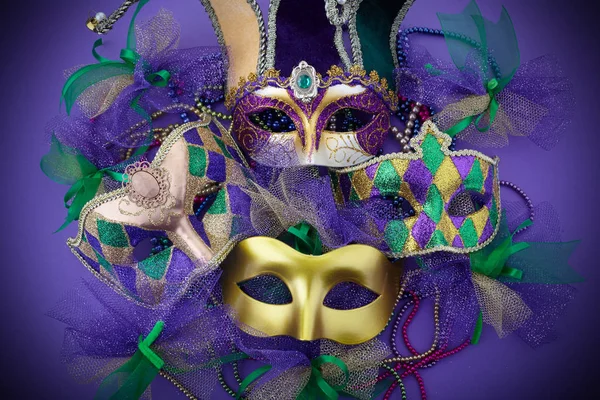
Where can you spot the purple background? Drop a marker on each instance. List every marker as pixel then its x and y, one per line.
pixel 42 39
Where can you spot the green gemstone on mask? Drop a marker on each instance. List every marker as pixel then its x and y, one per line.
pixel 304 81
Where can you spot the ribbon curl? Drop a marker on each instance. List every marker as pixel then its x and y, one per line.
pixel 89 75
pixel 306 239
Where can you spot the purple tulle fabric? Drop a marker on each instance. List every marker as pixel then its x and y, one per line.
pixel 103 329
pixel 451 275
pixel 281 198
pixel 102 138
pixel 538 102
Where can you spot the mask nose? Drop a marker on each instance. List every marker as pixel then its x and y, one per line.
pixel 306 154
pixel 308 312
pixel 307 326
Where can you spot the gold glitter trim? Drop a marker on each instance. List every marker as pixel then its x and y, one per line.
pixel 335 74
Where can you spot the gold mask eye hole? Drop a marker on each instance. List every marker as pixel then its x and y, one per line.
pixel 349 120
pixel 349 296
pixel 267 289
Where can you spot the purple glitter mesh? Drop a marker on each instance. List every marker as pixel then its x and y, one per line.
pixel 102 138
pixel 546 274
pixel 281 198
pixel 449 276
pixel 290 361
pixel 103 330
pixel 538 101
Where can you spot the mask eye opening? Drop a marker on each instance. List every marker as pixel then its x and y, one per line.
pixel 349 295
pixel 467 202
pixel 151 246
pixel 349 120
pixel 272 120
pixel 266 288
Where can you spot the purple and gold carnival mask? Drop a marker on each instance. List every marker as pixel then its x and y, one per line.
pixel 337 121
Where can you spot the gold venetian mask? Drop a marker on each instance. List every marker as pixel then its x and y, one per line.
pixel 309 280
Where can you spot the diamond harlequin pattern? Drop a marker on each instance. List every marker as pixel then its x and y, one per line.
pixel 108 241
pixel 428 179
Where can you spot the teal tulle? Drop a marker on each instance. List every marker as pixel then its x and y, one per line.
pixel 496 43
pixel 533 262
pixel 374 21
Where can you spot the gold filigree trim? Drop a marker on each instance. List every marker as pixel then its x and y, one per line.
pixel 335 75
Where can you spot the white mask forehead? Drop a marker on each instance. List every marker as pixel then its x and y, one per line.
pixel 343 90
pixel 334 92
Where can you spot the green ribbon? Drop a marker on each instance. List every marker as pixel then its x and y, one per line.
pixel 251 378
pixel 106 68
pixel 492 88
pixel 478 329
pixel 130 381
pixel 493 264
pixel 316 388
pixel 306 239
pixel 69 167
pixel 85 189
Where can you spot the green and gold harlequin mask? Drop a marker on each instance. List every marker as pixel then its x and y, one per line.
pixel 446 200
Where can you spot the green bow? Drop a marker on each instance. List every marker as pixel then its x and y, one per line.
pixel 85 189
pixel 462 31
pixel 105 69
pixel 130 381
pixel 317 387
pixel 493 264
pixel 492 88
pixel 69 167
